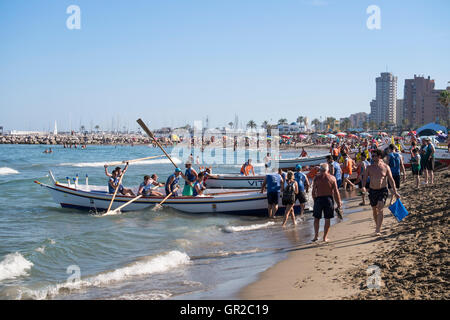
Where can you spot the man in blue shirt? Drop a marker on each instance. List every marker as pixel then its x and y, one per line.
pixel 395 162
pixel 303 187
pixel 335 170
pixel 273 182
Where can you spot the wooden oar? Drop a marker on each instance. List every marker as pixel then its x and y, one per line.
pixel 131 161
pixel 147 130
pixel 159 205
pixel 122 206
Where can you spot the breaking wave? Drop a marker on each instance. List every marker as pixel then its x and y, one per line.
pixel 247 228
pixel 6 170
pixel 14 265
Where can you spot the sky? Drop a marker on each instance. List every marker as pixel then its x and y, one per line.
pixel 175 62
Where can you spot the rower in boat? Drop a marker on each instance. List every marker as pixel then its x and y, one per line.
pixel 247 167
pixel 172 182
pixel 114 181
pixel 190 176
pixel 304 153
pixel 145 188
pixel 198 185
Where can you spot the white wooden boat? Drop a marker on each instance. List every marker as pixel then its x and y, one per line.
pixel 234 181
pixel 97 199
pixel 304 161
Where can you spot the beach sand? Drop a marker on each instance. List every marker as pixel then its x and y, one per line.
pixel 410 258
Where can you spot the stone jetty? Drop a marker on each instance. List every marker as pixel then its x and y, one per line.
pixel 79 139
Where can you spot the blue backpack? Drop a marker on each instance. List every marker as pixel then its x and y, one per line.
pixel 394 163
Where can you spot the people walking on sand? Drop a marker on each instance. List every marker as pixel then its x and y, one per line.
pixel 379 174
pixel 303 188
pixel 395 161
pixel 172 181
pixel 335 170
pixel 429 161
pixel 347 170
pixel 415 166
pixel 362 166
pixel 422 151
pixel 273 182
pixel 290 191
pixel 324 192
pixel 190 176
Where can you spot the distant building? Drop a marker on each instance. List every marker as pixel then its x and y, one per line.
pixel 292 128
pixel 420 102
pixel 399 112
pixel 383 108
pixel 357 119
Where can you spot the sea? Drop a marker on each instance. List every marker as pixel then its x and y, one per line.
pixel 49 252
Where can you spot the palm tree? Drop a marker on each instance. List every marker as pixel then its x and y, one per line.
pixel 444 98
pixel 330 121
pixel 230 124
pixel 251 124
pixel 316 124
pixel 282 121
pixel 372 125
pixel 382 125
pixel 365 125
pixel 300 119
pixel 345 124
pixel 265 124
pixel 97 128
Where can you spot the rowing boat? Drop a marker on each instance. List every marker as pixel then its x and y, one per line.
pixel 303 161
pixel 97 199
pixel 234 181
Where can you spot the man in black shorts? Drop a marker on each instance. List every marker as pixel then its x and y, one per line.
pixel 379 173
pixel 323 189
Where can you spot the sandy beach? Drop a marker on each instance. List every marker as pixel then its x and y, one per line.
pixel 410 258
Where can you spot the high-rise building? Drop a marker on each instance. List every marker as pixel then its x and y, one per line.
pixel 383 108
pixel 420 102
pixel 357 119
pixel 399 112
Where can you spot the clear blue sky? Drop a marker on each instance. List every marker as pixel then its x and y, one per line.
pixel 172 62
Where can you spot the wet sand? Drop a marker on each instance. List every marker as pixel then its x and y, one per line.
pixel 410 257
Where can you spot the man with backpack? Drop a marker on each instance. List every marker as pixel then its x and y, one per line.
pixel 289 190
pixel 395 162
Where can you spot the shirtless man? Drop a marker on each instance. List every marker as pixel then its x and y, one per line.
pixel 379 173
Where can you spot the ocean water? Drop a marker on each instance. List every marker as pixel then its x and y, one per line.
pixel 47 252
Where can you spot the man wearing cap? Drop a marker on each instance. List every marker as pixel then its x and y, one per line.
pixel 172 182
pixel 273 181
pixel 325 193
pixel 303 187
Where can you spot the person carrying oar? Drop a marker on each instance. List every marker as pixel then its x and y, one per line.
pixel 114 181
pixel 172 183
pixel 190 176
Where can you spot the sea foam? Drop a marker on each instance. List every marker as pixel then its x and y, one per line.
pixel 14 265
pixel 6 170
pixel 101 164
pixel 248 228
pixel 150 265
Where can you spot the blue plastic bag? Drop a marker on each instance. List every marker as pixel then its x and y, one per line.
pixel 398 210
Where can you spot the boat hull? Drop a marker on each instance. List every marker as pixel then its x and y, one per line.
pixel 235 182
pixel 246 202
pixel 307 161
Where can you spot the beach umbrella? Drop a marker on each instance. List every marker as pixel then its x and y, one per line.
pixel 341 134
pixel 352 136
pixel 383 134
pixel 285 136
pixel 365 134
pixel 301 136
pixel 332 136
pixel 322 136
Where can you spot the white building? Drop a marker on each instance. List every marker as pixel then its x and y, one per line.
pixel 293 128
pixel 384 107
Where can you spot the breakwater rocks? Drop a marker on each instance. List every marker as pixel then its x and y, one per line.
pixel 74 139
